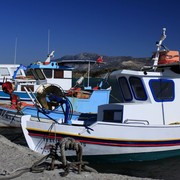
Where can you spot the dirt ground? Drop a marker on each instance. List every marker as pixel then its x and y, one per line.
pixel 16 161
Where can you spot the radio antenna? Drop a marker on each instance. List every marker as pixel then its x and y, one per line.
pixel 15 51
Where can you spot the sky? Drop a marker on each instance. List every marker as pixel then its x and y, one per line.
pixel 30 29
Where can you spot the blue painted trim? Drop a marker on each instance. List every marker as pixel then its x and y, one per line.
pixel 107 142
pixel 51 65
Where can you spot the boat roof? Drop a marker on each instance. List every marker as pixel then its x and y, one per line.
pixel 50 65
pixel 134 73
pixel 75 61
pixel 9 65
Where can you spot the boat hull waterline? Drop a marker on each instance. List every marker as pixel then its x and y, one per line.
pixel 159 142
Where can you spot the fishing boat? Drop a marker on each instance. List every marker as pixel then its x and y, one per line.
pixel 39 73
pixel 7 71
pixel 145 126
pixel 52 72
pixel 48 77
pixel 49 105
pixel 15 74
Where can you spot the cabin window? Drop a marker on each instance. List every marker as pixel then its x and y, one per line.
pixel 162 89
pixel 4 71
pixel 28 87
pixel 58 73
pixel 138 88
pixel 39 74
pixel 30 72
pixel 125 89
pixel 112 116
pixel 48 73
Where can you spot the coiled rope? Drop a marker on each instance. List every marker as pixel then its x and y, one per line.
pixel 59 148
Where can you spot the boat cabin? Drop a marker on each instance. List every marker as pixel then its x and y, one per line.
pixel 15 73
pixel 148 97
pixel 7 71
pixel 52 73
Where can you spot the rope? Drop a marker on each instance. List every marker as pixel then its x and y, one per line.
pixel 118 100
pixel 70 144
pixel 18 172
pixel 40 165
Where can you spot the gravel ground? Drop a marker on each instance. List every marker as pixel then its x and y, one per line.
pixel 14 157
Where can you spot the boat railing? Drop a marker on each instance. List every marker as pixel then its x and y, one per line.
pixel 134 121
pixel 161 66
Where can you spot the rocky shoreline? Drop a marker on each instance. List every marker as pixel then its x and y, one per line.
pixel 16 162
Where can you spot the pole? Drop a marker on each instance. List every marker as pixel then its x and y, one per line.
pixel 88 73
pixel 159 44
pixel 15 51
pixel 48 39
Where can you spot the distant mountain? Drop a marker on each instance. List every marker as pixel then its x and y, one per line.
pixel 111 63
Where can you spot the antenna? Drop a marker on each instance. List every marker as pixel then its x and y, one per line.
pixel 48 39
pixel 15 51
pixel 89 69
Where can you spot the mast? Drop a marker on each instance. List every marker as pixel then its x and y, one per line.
pixel 15 51
pixel 48 40
pixel 88 73
pixel 159 45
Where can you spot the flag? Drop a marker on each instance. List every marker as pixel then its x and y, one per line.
pixel 99 60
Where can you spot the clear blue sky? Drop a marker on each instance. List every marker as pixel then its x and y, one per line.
pixel 106 27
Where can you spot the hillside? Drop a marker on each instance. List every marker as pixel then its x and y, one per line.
pixel 111 63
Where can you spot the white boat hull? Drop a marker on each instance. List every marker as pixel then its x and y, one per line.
pixel 11 119
pixel 144 126
pixel 104 139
